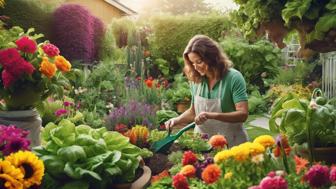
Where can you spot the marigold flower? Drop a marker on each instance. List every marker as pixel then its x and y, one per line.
pixel 241 152
pixel 62 64
pixel 228 175
pixel 50 49
pixel 180 182
pixel 222 156
pixel 317 176
pixel 188 171
pixel 47 68
pixel 27 45
pixel 265 140
pixel 189 158
pixel 33 168
pixel 218 141
pixel 211 173
pixel 300 164
pixel 276 182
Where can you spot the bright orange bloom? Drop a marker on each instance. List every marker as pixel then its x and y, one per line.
pixel 149 83
pixel 300 164
pixel 47 68
pixel 218 141
pixel 188 171
pixel 211 173
pixel 62 64
pixel 160 176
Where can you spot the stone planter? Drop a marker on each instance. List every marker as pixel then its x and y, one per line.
pixel 29 120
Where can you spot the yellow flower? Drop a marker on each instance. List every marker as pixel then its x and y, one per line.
pixel 47 68
pixel 10 176
pixel 257 158
pixel 265 140
pixel 62 64
pixel 30 165
pixel 7 168
pixel 9 182
pixel 241 152
pixel 188 171
pixel 256 149
pixel 228 175
pixel 223 155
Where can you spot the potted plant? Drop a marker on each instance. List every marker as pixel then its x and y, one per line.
pixel 30 72
pixel 311 123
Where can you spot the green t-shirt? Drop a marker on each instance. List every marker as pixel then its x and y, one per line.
pixel 233 90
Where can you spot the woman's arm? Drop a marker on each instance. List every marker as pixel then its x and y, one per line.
pixel 240 115
pixel 185 118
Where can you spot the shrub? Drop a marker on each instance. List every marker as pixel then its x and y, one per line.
pixel 99 31
pixel 28 14
pixel 172 33
pixel 257 61
pixel 73 32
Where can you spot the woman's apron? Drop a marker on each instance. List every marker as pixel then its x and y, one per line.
pixel 234 133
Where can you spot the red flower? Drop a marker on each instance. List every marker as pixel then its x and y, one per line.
pixel 180 182
pixel 149 83
pixel 19 67
pixel 276 182
pixel 211 173
pixel 332 176
pixel 7 56
pixel 189 158
pixel 317 176
pixel 25 44
pixel 7 78
pixel 50 49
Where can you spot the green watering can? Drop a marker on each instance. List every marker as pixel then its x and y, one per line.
pixel 164 144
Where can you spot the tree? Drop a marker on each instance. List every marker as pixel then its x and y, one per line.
pixel 314 20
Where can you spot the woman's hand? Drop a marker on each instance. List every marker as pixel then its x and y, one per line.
pixel 171 122
pixel 201 118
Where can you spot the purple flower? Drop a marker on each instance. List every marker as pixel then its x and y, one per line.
pixel 66 103
pixel 61 112
pixel 13 139
pixel 317 176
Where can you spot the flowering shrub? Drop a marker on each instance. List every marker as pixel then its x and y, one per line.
pixel 30 72
pixel 13 139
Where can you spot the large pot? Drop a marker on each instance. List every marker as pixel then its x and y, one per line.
pixel 140 183
pixel 29 120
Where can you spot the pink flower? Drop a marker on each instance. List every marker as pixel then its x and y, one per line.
pixel 13 139
pixel 25 44
pixel 50 49
pixel 7 56
pixel 317 176
pixel 7 78
pixel 61 112
pixel 271 174
pixel 276 182
pixel 180 182
pixel 66 103
pixel 332 176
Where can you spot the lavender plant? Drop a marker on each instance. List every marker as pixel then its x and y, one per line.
pixel 132 113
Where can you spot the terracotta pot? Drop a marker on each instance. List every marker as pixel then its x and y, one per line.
pixel 182 106
pixel 141 183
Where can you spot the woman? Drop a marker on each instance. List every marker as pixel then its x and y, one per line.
pixel 219 98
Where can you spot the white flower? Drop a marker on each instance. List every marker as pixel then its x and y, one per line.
pixel 257 158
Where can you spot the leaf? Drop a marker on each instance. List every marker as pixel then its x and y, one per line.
pixel 64 134
pixel 76 172
pixel 72 153
pixel 295 8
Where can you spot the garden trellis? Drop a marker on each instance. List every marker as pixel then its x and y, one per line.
pixel 329 74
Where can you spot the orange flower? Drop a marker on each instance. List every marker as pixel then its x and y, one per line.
pixel 47 68
pixel 211 173
pixel 160 176
pixel 277 151
pixel 300 164
pixel 218 141
pixel 188 171
pixel 149 83
pixel 62 64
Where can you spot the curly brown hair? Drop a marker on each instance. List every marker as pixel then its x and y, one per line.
pixel 211 54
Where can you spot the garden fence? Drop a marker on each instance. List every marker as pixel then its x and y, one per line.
pixel 329 74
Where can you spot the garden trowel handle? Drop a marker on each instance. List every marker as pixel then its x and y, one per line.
pixel 190 126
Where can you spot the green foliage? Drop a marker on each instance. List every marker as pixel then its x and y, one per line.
pixel 172 33
pixel 108 45
pixel 252 60
pixel 296 74
pixel 156 135
pixel 164 115
pixel 27 14
pixel 257 103
pixel 123 29
pixel 179 92
pixel 193 142
pixel 82 154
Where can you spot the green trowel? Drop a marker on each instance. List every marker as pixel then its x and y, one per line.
pixel 164 144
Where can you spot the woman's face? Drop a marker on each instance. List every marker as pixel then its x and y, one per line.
pixel 200 66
